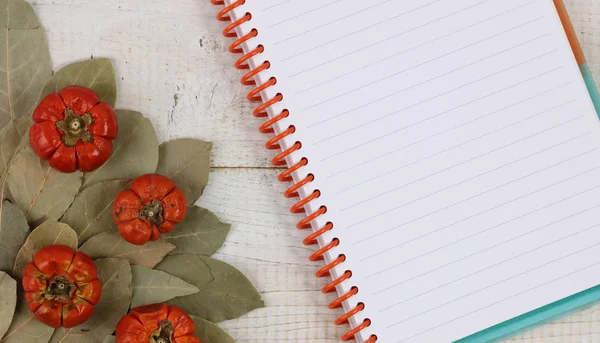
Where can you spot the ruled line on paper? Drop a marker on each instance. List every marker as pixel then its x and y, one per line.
pixel 362 30
pixel 276 5
pixel 493 189
pixel 491 171
pixel 345 17
pixel 445 208
pixel 497 225
pixel 501 282
pixel 331 22
pixel 420 160
pixel 496 169
pixel 490 266
pixel 521 102
pixel 462 163
pixel 405 51
pixel 303 14
pixel 503 300
pixel 434 59
pixel 435 78
pixel 388 191
pixel 446 74
pixel 446 226
pixel 402 52
pixel 449 92
pixel 403 71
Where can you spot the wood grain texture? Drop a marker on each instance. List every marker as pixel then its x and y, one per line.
pixel 172 65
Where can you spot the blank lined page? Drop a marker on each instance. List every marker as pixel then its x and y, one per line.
pixel 456 149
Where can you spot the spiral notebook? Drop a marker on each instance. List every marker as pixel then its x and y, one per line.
pixel 445 153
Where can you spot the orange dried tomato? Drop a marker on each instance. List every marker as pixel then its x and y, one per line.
pixel 157 323
pixel 73 130
pixel 61 286
pixel 153 205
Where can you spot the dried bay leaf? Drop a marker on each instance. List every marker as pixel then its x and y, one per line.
pixel 210 332
pixel 13 233
pixel 8 301
pixel 91 211
pixel 225 293
pixel 115 275
pixel 153 286
pixel 111 244
pixel 24 327
pixel 135 151
pixel 187 162
pixel 40 191
pixel 110 339
pixel 25 63
pixel 97 74
pixel 12 138
pixel 200 233
pixel 49 233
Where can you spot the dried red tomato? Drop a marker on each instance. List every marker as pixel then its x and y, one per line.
pixel 158 323
pixel 73 130
pixel 61 286
pixel 153 205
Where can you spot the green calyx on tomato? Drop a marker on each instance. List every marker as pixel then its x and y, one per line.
pixel 75 127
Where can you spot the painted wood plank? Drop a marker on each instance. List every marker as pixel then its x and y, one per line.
pixel 267 248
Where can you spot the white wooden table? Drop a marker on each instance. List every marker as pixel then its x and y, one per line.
pixel 172 66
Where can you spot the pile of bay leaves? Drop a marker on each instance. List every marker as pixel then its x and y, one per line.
pixel 40 206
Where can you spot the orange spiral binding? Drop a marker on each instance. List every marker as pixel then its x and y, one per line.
pixel 280 160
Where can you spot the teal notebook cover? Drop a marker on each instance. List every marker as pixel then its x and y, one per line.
pixel 577 301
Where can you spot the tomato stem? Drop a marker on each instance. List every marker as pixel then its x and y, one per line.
pixel 163 334
pixel 152 212
pixel 60 288
pixel 75 127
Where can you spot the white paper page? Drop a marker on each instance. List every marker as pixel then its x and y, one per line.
pixel 455 147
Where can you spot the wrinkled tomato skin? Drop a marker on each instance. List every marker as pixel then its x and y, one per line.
pixel 141 322
pixel 77 272
pixel 136 231
pixel 152 186
pixel 48 141
pixel 174 209
pixel 145 191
